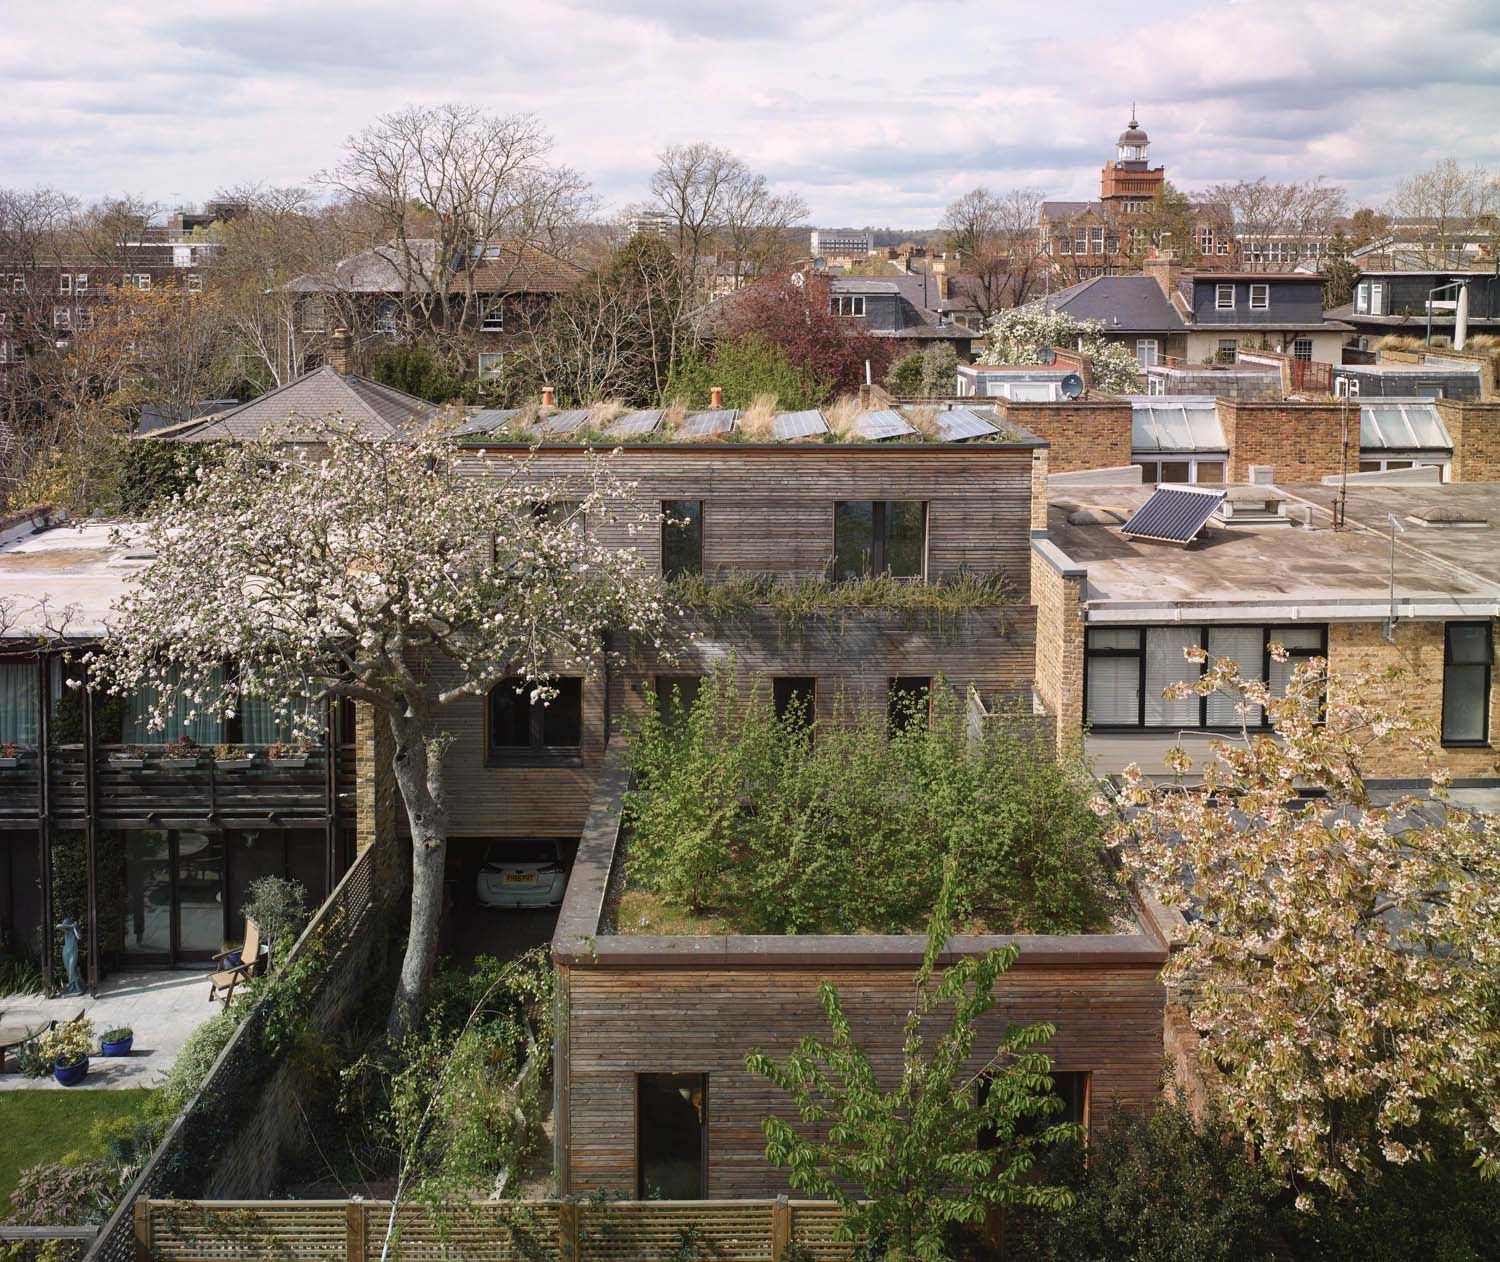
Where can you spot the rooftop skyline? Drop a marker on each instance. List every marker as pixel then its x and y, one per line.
pixel 873 116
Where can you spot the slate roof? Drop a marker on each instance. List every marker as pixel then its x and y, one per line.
pixel 508 267
pixel 1123 303
pixel 378 411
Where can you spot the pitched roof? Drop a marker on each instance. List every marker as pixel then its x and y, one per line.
pixel 505 267
pixel 1123 303
pixel 378 411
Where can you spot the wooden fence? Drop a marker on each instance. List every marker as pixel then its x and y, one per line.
pixel 491 1231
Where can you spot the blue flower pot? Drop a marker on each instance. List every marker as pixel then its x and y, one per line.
pixel 71 1075
pixel 120 1047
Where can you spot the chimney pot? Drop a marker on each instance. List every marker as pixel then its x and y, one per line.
pixel 548 397
pixel 716 397
pixel 338 351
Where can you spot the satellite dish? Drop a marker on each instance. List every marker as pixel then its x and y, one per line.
pixel 1045 355
pixel 1071 386
pixel 798 280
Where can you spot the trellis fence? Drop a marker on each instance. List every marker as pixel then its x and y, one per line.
pixel 490 1231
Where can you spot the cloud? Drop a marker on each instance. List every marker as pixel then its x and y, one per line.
pixel 877 115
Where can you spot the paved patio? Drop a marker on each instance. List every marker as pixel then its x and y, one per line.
pixel 163 1007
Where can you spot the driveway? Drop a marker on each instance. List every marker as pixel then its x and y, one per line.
pixel 470 930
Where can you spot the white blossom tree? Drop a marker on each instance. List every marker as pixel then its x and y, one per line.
pixel 1015 336
pixel 1341 956
pixel 383 572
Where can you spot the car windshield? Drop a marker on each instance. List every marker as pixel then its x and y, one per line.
pixel 502 853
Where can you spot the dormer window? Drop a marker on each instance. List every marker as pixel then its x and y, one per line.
pixel 1362 298
pixel 849 304
pixel 1260 297
pixel 1223 297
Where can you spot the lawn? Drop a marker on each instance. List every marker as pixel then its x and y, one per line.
pixel 37 1126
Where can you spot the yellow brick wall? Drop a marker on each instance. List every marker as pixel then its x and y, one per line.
pixel 375 797
pixel 1361 646
pixel 1059 648
pixel 1475 430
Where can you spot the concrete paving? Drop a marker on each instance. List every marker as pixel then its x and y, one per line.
pixel 163 1007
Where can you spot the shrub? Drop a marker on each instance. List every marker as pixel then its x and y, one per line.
pixel 932 371
pixel 782 826
pixel 117 1035
pixel 57 1194
pixel 279 906
pixel 745 367
pixel 905 376
pixel 69 1043
pixel 419 370
pixel 192 1065
pixel 19 975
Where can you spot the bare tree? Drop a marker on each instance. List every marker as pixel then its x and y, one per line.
pixel 1276 225
pixel 1001 250
pixel 1439 213
pixel 757 221
pixel 693 184
pixel 456 189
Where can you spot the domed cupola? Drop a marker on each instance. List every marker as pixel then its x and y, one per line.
pixel 1134 144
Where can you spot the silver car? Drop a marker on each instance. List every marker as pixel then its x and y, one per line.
pixel 526 873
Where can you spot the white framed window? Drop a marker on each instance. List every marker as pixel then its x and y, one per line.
pixel 195 282
pixel 62 318
pixel 314 319
pixel 386 315
pixel 81 283
pixel 1302 349
pixel 1371 463
pixel 1179 467
pixel 65 283
pixel 1205 240
pixel 1260 297
pixel 1362 298
pixel 489 363
pixel 1146 350
pixel 1223 247
pixel 4 352
pixel 1377 298
pixel 1097 240
pixel 1345 388
pixel 1229 350
pixel 1223 297
pixel 1080 241
pixel 140 280
pixel 1065 244
pixel 493 319
pixel 18 284
pixel 849 304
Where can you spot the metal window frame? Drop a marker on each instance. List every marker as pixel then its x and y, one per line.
pixel 667 525
pixel 1489 673
pixel 535 751
pixel 880 536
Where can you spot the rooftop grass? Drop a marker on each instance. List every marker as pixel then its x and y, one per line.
pixel 46 1126
pixel 806 598
pixel 743 821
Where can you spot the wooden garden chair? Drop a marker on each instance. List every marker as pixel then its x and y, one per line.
pixel 221 983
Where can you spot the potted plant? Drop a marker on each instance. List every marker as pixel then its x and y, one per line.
pixel 116 1042
pixel 9 755
pixel 181 755
pixel 292 753
pixel 68 1046
pixel 128 756
pixel 233 758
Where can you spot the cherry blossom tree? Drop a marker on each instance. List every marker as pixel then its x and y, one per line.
pixel 386 573
pixel 1341 956
pixel 1015 336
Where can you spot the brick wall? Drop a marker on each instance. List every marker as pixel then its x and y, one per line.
pixel 375 800
pixel 1418 650
pixel 1475 430
pixel 1302 441
pixel 1057 591
pixel 1088 434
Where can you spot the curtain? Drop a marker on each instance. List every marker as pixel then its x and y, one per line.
pixel 1246 646
pixel 1114 690
pixel 260 723
pixel 1165 664
pixel 18 702
pixel 184 718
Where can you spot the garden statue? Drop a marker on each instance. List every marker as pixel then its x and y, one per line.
pixel 71 938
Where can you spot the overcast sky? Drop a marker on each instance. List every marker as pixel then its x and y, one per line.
pixel 877 113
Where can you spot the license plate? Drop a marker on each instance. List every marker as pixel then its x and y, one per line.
pixel 520 878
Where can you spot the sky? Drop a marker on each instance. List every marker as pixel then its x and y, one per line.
pixel 875 114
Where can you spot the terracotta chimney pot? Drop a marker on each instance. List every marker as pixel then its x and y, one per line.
pixel 548 397
pixel 716 397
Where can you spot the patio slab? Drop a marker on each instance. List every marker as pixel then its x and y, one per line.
pixel 162 1007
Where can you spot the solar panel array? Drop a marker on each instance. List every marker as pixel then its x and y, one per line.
pixel 560 423
pixel 791 425
pixel 633 424
pixel 957 425
pixel 707 424
pixel 1173 514
pixel 881 425
pixel 486 422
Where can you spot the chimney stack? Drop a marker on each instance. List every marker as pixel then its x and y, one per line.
pixel 716 397
pixel 1166 270
pixel 548 397
pixel 338 351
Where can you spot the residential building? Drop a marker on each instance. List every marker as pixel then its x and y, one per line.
pixel 656 223
pixel 909 309
pixel 841 243
pixel 1423 304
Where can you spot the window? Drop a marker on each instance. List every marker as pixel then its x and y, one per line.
pixel 493 320
pixel 908 700
pixel 1080 241
pixel 849 304
pixel 65 283
pixel 1187 469
pixel 875 537
pixel 18 284
pixel 1223 247
pixel 681 538
pixel 1302 349
pixel 1146 351
pixel 1205 240
pixel 386 311
pixel 1096 243
pixel 1069 1087
pixel 142 281
pixel 1468 654
pixel 1065 244
pixel 523 730
pixel 1260 297
pixel 671 1136
pixel 1126 670
pixel 81 282
pixel 1228 350
pixel 1362 298
pixel 195 283
pixel 1377 298
pixel 795 696
pixel 676 694
pixel 1223 297
pixel 62 318
pixel 490 363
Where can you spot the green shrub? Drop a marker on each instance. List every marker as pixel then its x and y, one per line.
pixel 744 368
pixel 60 1194
pixel 279 906
pixel 192 1065
pixel 19 975
pixel 417 369
pixel 150 470
pixel 929 372
pixel 779 826
pixel 905 376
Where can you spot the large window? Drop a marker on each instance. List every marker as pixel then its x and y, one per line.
pixel 1146 349
pixel 849 304
pixel 1260 297
pixel 18 703
pixel 795 696
pixel 681 538
pixel 676 695
pixel 1069 1087
pixel 523 730
pixel 493 320
pixel 1468 654
pixel 908 700
pixel 1185 469
pixel 1128 668
pixel 671 1136
pixel 1302 349
pixel 874 537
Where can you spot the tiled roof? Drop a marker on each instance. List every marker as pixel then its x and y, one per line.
pixel 323 395
pixel 1124 303
pixel 508 267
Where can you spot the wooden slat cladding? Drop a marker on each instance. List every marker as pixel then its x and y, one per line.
pixel 770 509
pixel 852 656
pixel 622 1022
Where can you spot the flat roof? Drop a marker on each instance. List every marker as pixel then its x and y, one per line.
pixel 62 580
pixel 1285 571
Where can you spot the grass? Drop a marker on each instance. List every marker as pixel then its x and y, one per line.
pixel 47 1125
pixel 810 597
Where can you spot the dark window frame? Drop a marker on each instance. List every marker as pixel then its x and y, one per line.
pixel 664 686
pixel 536 753
pixel 672 514
pixel 640 1179
pixel 1483 741
pixel 1139 653
pixel 785 687
pixel 880 529
pixel 900 685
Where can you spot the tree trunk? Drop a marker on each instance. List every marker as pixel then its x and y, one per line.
pixel 418 764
